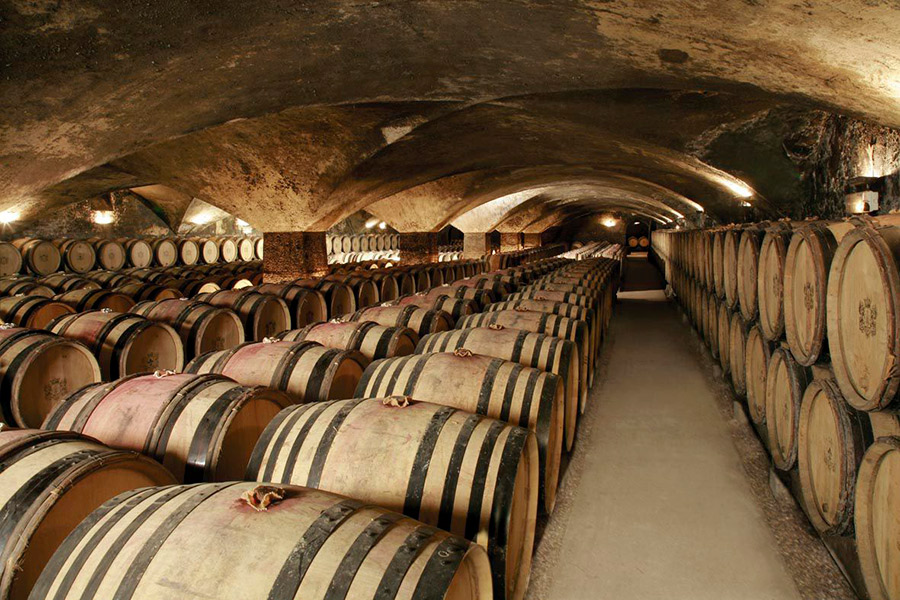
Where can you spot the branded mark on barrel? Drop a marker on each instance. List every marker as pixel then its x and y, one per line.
pixel 219 343
pixel 56 389
pixel 829 458
pixel 868 315
pixel 152 360
pixel 808 296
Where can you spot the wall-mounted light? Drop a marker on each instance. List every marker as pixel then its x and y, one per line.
pixel 382 225
pixel 861 202
pixel 609 221
pixel 745 204
pixel 8 216
pixel 371 223
pixel 738 188
pixel 201 218
pixel 103 217
pixel 242 223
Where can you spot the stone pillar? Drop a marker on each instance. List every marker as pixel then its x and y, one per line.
pixel 418 247
pixel 291 255
pixel 510 242
pixel 533 240
pixel 476 245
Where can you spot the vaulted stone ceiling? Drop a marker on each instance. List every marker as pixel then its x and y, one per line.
pixel 485 114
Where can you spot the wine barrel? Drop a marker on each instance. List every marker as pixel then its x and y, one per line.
pixel 188 252
pixel 571 311
pixel 785 383
pixel 370 339
pixel 737 346
pixel 307 371
pixel 548 324
pixel 245 249
pixel 388 287
pixel 455 307
pixel 723 327
pixel 140 291
pixel 831 441
pixel 201 327
pixel 805 291
pixel 536 350
pixel 24 286
pixel 863 320
pixel 139 253
pixel 110 279
pixel 466 474
pixel 200 427
pixel 420 320
pixel 481 298
pixel 877 505
pixel 10 259
pixel 483 385
pixel 364 290
pixel 757 353
pixel 770 280
pixel 340 297
pixel 227 249
pixel 259 248
pixel 712 324
pixel 78 256
pixel 747 272
pixel 111 254
pixel 41 257
pixel 718 263
pixel 32 311
pixel 122 342
pixel 306 305
pixel 276 542
pixel 86 299
pixel 50 482
pixel 39 370
pixel 209 252
pixel 64 282
pixel 262 315
pixel 730 246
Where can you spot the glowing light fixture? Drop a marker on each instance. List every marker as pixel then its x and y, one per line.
pixel 861 202
pixel 382 225
pixel 201 218
pixel 242 223
pixel 371 223
pixel 103 217
pixel 8 216
pixel 609 221
pixel 738 188
pixel 745 204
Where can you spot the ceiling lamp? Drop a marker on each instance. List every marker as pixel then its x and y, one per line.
pixel 382 225
pixel 8 216
pixel 103 217
pixel 201 218
pixel 609 221
pixel 371 223
pixel 242 223
pixel 737 187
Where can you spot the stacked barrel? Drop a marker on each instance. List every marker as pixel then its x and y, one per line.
pixel 146 398
pixel 803 317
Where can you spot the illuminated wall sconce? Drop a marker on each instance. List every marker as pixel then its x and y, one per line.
pixel 8 216
pixel 610 222
pixel 745 204
pixel 242 223
pixel 861 202
pixel 371 223
pixel 103 217
pixel 201 218
pixel 382 225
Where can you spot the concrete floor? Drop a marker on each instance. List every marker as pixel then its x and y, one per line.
pixel 658 504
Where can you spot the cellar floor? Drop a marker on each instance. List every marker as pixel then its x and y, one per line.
pixel 655 502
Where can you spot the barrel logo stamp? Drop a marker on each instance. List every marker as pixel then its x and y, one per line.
pixel 868 315
pixel 56 389
pixel 829 458
pixel 219 343
pixel 808 296
pixel 152 360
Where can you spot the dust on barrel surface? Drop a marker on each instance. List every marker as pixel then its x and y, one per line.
pixel 269 542
pixel 200 427
pixel 49 482
pixel 470 475
pixel 832 438
pixel 545 352
pixel 39 370
pixel 483 385
pixel 307 371
pixel 123 343
pixel 372 340
pixel 862 316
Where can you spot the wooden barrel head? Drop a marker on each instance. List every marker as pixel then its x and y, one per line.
pixel 80 256
pixel 770 282
pixel 724 331
pixel 111 255
pixel 209 252
pixel 10 259
pixel 188 252
pixel 737 346
pixel 227 250
pixel 140 253
pixel 245 249
pixel 877 522
pixel 756 359
pixel 785 383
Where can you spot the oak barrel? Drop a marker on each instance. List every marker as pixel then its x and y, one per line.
pixel 10 259
pixel 78 256
pixel 757 353
pixel 370 339
pixel 420 320
pixel 306 305
pixel 201 326
pixel 257 542
pixel 730 246
pixel 245 249
pixel 87 299
pixel 111 254
pixel 139 253
pixel 188 252
pixel 140 291
pixel 38 370
pixel 49 482
pixel 455 307
pixel 200 427
pixel 209 252
pixel 770 280
pixel 723 327
pixel 64 282
pixel 747 272
pixel 227 249
pixel 364 290
pixel 466 474
pixel 737 347
pixel 32 311
pixel 262 315
pixel 41 257
pixel 785 384
pixel 27 286
pixel 482 385
pixel 122 342
pixel 339 296
pixel 307 371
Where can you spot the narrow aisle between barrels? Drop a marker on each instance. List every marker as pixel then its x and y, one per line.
pixel 660 505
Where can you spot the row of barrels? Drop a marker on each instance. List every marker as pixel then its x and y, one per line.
pixel 43 257
pixel 638 243
pixel 807 335
pixel 373 242
pixel 202 427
